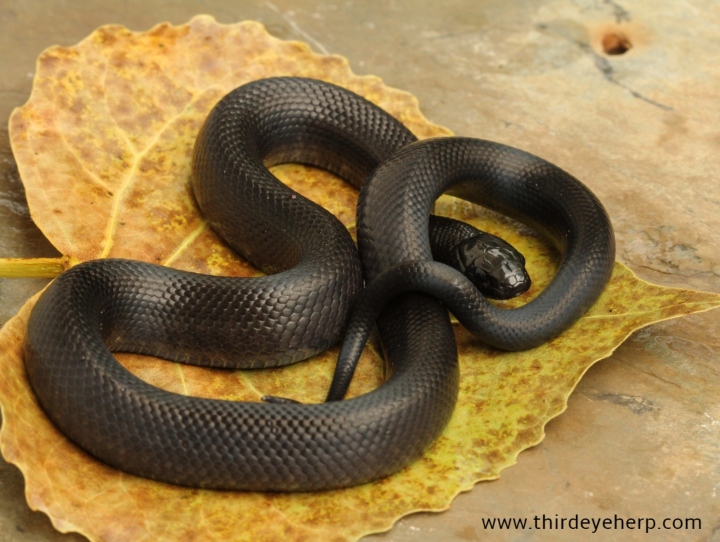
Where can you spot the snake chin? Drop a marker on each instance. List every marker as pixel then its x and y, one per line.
pixel 493 266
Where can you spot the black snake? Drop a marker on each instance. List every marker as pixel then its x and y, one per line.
pixel 302 306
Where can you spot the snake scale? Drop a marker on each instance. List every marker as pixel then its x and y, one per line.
pixel 301 307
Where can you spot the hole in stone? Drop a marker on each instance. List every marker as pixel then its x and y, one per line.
pixel 615 43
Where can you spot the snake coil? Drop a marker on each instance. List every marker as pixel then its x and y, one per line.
pixel 302 306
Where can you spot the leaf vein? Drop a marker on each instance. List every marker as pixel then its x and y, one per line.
pixel 128 182
pixel 185 243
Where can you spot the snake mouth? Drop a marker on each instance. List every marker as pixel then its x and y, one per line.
pixel 515 281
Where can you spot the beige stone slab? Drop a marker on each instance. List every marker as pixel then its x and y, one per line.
pixel 641 434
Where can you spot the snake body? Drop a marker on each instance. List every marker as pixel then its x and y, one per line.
pixel 301 307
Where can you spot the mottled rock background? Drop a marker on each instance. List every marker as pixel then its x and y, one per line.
pixel 641 437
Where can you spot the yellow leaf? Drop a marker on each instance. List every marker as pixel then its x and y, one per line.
pixel 103 148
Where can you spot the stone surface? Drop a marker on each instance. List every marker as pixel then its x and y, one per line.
pixel 640 436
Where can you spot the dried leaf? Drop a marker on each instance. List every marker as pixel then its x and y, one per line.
pixel 103 147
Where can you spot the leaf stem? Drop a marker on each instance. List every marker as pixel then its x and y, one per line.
pixel 33 267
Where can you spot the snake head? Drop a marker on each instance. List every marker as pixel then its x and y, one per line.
pixel 493 266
